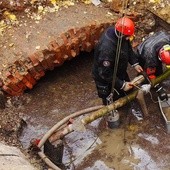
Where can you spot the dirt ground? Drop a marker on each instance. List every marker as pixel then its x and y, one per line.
pixel 24 36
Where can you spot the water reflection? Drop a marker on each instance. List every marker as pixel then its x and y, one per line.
pixel 78 145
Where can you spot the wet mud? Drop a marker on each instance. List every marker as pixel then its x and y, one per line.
pixel 134 144
pixel 61 92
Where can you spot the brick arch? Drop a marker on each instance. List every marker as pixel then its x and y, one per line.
pixel 24 74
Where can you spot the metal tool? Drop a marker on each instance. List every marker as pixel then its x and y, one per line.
pixel 113 120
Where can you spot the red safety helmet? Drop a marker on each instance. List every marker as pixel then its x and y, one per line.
pixel 164 54
pixel 125 26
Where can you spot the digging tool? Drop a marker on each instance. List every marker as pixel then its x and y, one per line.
pixel 113 116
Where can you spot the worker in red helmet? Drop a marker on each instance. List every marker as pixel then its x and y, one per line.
pixel 164 55
pixel 106 55
pixel 153 53
pixel 125 26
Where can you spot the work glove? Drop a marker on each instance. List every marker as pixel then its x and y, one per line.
pixel 151 72
pixel 161 92
pixel 127 86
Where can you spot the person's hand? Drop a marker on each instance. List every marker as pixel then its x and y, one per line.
pixel 138 68
pixel 127 86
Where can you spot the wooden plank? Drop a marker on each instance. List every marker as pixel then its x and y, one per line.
pixel 160 21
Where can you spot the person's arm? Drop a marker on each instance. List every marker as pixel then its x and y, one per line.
pixel 151 65
pixel 133 60
pixel 127 86
pixel 151 72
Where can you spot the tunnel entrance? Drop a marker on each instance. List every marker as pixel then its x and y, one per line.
pixel 62 91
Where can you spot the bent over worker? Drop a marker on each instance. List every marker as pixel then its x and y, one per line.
pixel 152 53
pixel 106 58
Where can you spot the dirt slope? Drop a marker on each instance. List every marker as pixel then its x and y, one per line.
pixel 21 40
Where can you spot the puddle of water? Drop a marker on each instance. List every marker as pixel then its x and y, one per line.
pixel 146 162
pixel 113 144
pixel 71 88
pixel 114 153
pixel 32 131
pixel 98 165
pixel 80 144
pixel 149 138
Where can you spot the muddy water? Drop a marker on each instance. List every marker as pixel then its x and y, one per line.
pixel 61 92
pixel 137 145
pixel 130 147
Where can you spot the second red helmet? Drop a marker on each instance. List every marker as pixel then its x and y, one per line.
pixel 164 54
pixel 125 26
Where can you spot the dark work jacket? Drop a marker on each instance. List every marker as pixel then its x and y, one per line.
pixel 105 50
pixel 148 50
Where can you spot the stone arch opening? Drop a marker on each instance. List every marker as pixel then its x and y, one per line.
pixel 24 74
